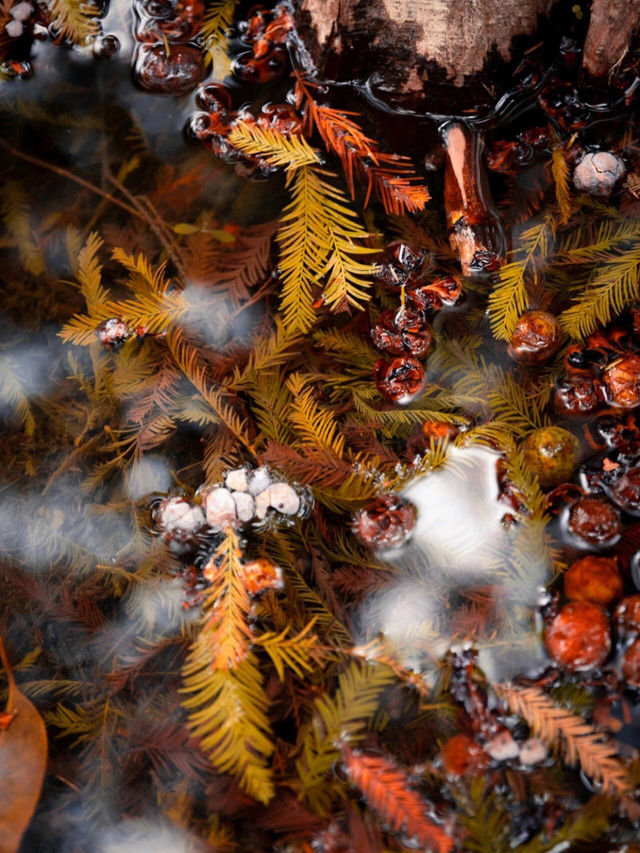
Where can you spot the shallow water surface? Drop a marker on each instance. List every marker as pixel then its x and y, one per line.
pixel 223 659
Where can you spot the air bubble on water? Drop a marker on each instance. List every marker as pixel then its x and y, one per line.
pixel 458 544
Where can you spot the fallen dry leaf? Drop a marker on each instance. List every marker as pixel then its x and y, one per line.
pixel 23 759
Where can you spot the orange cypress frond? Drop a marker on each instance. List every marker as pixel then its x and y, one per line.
pixel 385 787
pixel 569 734
pixel 394 187
pixel 390 176
pixel 225 632
pixel 342 136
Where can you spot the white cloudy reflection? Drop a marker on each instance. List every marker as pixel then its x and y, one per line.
pixel 459 561
pixel 154 835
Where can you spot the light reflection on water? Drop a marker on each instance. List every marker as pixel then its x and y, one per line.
pixel 455 581
pixel 141 836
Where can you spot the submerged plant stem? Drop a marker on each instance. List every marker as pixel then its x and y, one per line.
pixel 43 164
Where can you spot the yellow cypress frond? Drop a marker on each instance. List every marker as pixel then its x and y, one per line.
pixel 195 410
pixel 612 286
pixel 298 653
pixel 223 640
pixel 228 715
pixel 347 347
pixel 81 329
pixel 568 733
pixel 226 701
pixel 79 722
pixel 315 425
pixel 510 298
pixel 13 395
pixel 427 408
pixel 526 483
pixel 268 353
pixel 517 411
pixel 138 370
pixel 218 17
pixel 490 434
pixel 151 307
pixel 89 272
pixel 307 600
pixel 584 246
pixel 154 312
pixel 219 834
pixel 317 238
pixel 302 249
pixel 187 358
pixel 17 219
pixel 221 453
pixel 142 275
pixel 348 279
pixel 530 558
pixel 84 723
pixel 560 173
pixel 270 405
pixel 46 687
pixel 338 720
pixel 355 489
pixel 278 150
pixel 76 20
pixel 513 407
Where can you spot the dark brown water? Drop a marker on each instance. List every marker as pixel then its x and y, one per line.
pixel 101 607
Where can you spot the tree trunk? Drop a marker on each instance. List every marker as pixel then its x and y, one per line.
pixel 418 52
pixel 613 24
pixel 440 55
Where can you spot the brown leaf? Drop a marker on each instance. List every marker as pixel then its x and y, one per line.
pixel 23 759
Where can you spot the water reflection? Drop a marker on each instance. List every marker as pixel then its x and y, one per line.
pixel 60 526
pixel 155 835
pixel 464 575
pixel 149 474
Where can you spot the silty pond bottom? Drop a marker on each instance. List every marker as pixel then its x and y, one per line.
pixel 309 542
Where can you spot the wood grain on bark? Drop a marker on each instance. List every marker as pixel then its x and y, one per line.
pixel 402 41
pixel 611 28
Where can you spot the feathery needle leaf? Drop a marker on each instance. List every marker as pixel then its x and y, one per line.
pixel 568 733
pixel 386 788
pixel 275 148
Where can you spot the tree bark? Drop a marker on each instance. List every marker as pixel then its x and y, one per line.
pixel 407 47
pixel 613 24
